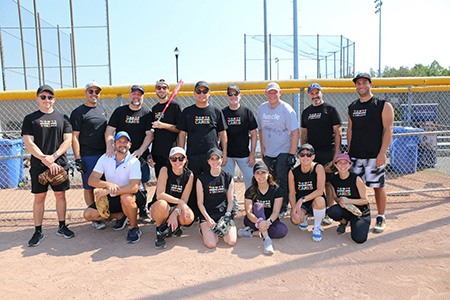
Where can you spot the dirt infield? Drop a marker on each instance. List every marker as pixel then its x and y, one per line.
pixel 410 260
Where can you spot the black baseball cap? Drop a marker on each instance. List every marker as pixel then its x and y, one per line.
pixel 45 87
pixel 201 84
pixel 260 166
pixel 233 87
pixel 214 151
pixel 308 147
pixel 363 75
pixel 137 87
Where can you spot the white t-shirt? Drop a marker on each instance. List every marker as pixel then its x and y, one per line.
pixel 129 168
pixel 276 124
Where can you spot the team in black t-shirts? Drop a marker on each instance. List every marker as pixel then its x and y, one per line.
pixel 194 185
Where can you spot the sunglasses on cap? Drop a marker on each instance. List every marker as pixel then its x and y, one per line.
pixel 205 91
pixel 175 158
pixel 161 87
pixel 43 97
pixel 309 154
pixel 233 94
pixel 94 91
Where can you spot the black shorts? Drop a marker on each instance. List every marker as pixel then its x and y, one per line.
pixel 116 207
pixel 37 188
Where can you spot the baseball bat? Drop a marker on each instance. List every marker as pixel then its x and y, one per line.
pixel 174 93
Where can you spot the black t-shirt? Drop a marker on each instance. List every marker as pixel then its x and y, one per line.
pixel 215 193
pixel 164 139
pixel 240 122
pixel 319 121
pixel 202 126
pixel 367 127
pixel 135 123
pixel 175 184
pixel 305 183
pixel 91 123
pixel 48 132
pixel 267 200
pixel 347 188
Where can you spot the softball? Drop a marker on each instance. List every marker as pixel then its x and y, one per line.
pixel 21 184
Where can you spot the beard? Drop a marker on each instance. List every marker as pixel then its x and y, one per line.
pixel 122 150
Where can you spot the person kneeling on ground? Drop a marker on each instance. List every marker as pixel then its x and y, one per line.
pixel 169 208
pixel 215 200
pixel 263 200
pixel 349 188
pixel 306 191
pixel 122 187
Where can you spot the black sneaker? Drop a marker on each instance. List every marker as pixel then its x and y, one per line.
pixel 144 218
pixel 380 225
pixel 341 228
pixel 66 232
pixel 99 225
pixel 178 232
pixel 160 242
pixel 134 235
pixel 36 239
pixel 121 223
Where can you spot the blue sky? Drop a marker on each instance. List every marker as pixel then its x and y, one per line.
pixel 209 34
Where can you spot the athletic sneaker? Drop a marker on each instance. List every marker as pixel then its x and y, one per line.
pixel 304 225
pixel 196 221
pixel 178 232
pixel 380 226
pixel 268 248
pixel 245 232
pixel 327 220
pixel 160 242
pixel 121 223
pixel 98 225
pixel 134 235
pixel 144 218
pixel 341 228
pixel 317 234
pixel 36 239
pixel 66 232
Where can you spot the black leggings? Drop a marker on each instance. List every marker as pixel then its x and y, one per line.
pixel 359 225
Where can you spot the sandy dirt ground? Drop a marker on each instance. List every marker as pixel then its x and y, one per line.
pixel 410 260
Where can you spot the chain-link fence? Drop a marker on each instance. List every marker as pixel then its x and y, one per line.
pixel 418 162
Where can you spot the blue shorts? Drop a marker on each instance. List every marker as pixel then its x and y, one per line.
pixel 90 162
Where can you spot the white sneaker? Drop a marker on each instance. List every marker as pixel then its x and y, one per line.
pixel 317 234
pixel 245 232
pixel 98 225
pixel 268 248
pixel 304 225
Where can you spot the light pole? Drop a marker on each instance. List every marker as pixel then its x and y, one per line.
pixel 277 61
pixel 378 5
pixel 177 52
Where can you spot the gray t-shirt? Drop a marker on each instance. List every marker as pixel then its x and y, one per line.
pixel 276 125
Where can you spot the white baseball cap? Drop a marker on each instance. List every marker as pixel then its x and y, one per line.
pixel 177 150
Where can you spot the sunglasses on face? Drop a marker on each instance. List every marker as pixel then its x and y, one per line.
pixel 233 94
pixel 43 97
pixel 309 154
pixel 175 158
pixel 162 87
pixel 205 91
pixel 92 91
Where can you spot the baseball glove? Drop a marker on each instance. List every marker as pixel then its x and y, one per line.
pixel 330 168
pixel 102 204
pixel 222 227
pixel 56 179
pixel 353 209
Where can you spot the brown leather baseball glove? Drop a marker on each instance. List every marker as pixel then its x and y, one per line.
pixel 56 179
pixel 102 204
pixel 353 209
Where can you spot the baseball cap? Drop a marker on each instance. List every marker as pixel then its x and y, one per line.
pixel 214 151
pixel 343 156
pixel 314 86
pixel 233 87
pixel 177 150
pixel 308 147
pixel 137 87
pixel 121 134
pixel 260 167
pixel 363 75
pixel 201 84
pixel 45 87
pixel 273 86
pixel 92 84
pixel 162 81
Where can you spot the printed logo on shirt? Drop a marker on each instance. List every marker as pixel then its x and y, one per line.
pixel 48 123
pixel 360 112
pixel 271 117
pixel 343 191
pixel 265 203
pixel 176 188
pixel 157 115
pixel 202 120
pixel 314 116
pixel 305 186
pixel 216 189
pixel 132 120
pixel 234 121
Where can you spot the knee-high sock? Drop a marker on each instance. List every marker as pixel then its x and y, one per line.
pixel 318 216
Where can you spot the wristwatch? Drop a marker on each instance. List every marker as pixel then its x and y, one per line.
pixel 228 214
pixel 303 199
pixel 270 221
pixel 56 155
pixel 178 211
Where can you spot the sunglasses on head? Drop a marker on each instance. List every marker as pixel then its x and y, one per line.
pixel 205 91
pixel 233 94
pixel 309 154
pixel 159 87
pixel 94 91
pixel 174 158
pixel 43 97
